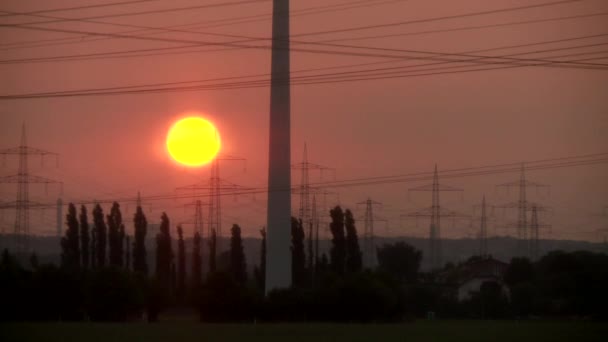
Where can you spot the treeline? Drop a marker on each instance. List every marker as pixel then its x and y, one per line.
pixel 105 276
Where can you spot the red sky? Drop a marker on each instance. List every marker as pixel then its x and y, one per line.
pixel 113 146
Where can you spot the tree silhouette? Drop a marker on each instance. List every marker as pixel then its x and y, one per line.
pixel 298 258
pixel 400 260
pixel 212 252
pixel 197 261
pixel 181 264
pixel 164 254
pixel 84 237
pixel 116 234
pixel 260 272
pixel 128 252
pixel 354 261
pixel 337 253
pixel 70 256
pixel 323 263
pixel 140 264
pixel 100 236
pixel 238 264
pixel 93 248
pixel 520 270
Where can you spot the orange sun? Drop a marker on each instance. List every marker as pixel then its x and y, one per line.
pixel 193 141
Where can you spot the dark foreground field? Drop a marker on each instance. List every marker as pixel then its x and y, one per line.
pixel 469 331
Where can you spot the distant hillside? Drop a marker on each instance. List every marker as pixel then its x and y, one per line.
pixel 454 250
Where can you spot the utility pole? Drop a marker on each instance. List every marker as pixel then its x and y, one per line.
pixel 369 245
pixel 435 212
pixel 523 205
pixel 21 243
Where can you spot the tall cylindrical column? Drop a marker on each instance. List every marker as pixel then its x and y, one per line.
pixel 278 256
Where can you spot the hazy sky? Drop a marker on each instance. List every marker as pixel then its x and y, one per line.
pixel 113 146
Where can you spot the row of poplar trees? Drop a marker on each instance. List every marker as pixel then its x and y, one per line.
pixel 104 243
pixel 344 255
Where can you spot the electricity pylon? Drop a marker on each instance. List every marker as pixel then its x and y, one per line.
pixel 535 227
pixel 435 212
pixel 305 210
pixel 214 186
pixel 483 230
pixel 369 245
pixel 23 204
pixel 484 217
pixel 522 205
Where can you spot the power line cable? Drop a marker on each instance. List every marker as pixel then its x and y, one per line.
pixel 406 178
pixel 216 23
pixel 301 80
pixel 448 17
pixel 237 44
pixel 156 11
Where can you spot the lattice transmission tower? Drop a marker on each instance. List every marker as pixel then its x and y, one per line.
pixel 23 204
pixel 535 227
pixel 486 214
pixel 523 206
pixel 435 212
pixel 305 212
pixel 369 244
pixel 483 230
pixel 215 187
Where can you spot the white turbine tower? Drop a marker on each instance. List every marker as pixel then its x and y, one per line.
pixel 278 255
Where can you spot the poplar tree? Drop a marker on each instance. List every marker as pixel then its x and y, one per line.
pixel 354 261
pixel 116 234
pixel 212 252
pixel 128 252
pixel 337 254
pixel 84 237
pixel 238 264
pixel 100 236
pixel 70 255
pixel 260 272
pixel 140 263
pixel 298 258
pixel 181 263
pixel 164 254
pixel 197 261
pixel 93 248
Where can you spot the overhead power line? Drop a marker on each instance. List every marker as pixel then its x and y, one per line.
pixel 427 20
pixel 504 47
pixel 485 170
pixel 238 44
pixel 325 78
pixel 130 14
pixel 232 44
pixel 210 23
pixel 74 8
pixel 468 28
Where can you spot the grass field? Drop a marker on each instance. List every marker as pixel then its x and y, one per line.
pixel 469 331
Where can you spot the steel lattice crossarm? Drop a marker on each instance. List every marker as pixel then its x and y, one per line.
pixel 28 178
pixel 428 212
pixel 524 183
pixel 27 150
pixel 223 185
pixel 30 205
pixel 529 205
pixel 440 187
